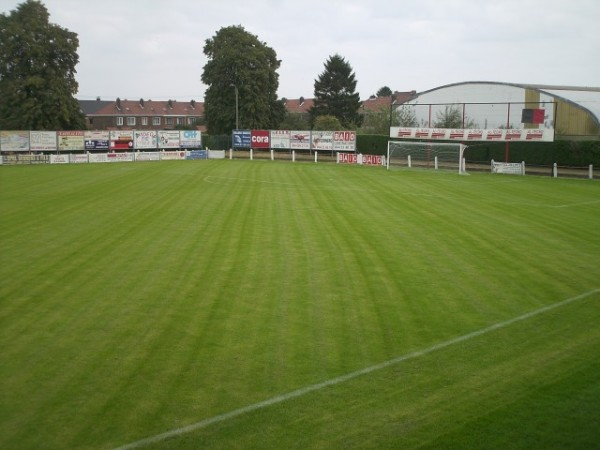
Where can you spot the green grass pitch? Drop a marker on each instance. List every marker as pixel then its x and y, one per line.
pixel 259 304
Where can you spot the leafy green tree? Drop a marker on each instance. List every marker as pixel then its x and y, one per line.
pixel 452 117
pixel 380 121
pixel 327 123
pixel 294 121
pixel 37 72
pixel 241 66
pixel 384 92
pixel 335 94
pixel 404 116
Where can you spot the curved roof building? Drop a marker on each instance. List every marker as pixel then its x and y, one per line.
pixel 573 112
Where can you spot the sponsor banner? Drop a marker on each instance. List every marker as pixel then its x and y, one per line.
pixel 353 158
pixel 147 156
pixel 59 159
pixel 1 160
pixel 260 138
pixel 145 139
pixel 321 140
pixel 78 158
pixel 241 138
pixel 97 157
pixel 119 157
pixel 96 140
pixel 168 139
pixel 372 160
pixel 300 140
pixel 216 154
pixel 121 139
pixel 190 139
pixel 344 141
pixel 280 139
pixel 466 135
pixel 197 154
pixel 40 141
pixel 510 168
pixel 347 158
pixel 170 155
pixel 70 140
pixel 14 141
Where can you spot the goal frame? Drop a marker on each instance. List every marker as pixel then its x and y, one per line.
pixel 460 146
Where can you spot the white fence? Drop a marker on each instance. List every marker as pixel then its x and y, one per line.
pixel 85 158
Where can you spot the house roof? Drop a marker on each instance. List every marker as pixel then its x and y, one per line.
pixel 151 107
pixel 298 106
pixel 91 106
pixel 178 108
pixel 375 104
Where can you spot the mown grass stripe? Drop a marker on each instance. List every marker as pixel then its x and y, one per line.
pixel 342 379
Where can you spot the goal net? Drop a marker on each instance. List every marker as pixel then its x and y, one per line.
pixel 433 155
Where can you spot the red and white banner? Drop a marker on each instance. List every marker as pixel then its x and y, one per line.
pixel 300 140
pixel 347 158
pixel 121 139
pixel 470 135
pixel 260 139
pixel 344 141
pixel 373 160
pixel 354 158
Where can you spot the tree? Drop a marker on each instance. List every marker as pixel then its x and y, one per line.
pixel 37 72
pixel 334 94
pixel 327 123
pixel 384 92
pixel 241 75
pixel 451 117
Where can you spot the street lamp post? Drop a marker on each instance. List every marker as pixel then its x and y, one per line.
pixel 237 123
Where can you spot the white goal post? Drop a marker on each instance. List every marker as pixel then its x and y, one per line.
pixel 447 155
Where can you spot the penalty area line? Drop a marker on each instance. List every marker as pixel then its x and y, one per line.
pixel 343 378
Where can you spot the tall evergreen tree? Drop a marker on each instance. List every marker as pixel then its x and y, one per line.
pixel 334 93
pixel 239 64
pixel 37 72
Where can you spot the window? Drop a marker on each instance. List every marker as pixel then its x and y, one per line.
pixel 119 121
pixel 169 121
pixel 191 120
pixel 131 121
pixel 180 120
pixel 156 121
pixel 144 121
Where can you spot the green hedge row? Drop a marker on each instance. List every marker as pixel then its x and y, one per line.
pixel 564 153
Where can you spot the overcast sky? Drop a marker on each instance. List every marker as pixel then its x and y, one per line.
pixel 153 49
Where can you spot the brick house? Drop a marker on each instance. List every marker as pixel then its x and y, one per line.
pixel 143 115
pixel 165 115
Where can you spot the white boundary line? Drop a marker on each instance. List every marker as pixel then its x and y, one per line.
pixel 341 379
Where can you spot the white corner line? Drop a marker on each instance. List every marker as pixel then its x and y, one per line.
pixel 343 378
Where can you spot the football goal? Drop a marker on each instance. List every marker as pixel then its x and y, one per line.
pixel 434 155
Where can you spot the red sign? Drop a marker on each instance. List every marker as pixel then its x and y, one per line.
pixel 373 160
pixel 260 139
pixel 348 158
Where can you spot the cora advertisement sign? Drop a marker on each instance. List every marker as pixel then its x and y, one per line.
pixel 260 139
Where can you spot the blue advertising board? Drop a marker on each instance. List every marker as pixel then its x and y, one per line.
pixel 241 138
pixel 197 154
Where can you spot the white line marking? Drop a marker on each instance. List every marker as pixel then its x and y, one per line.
pixel 341 379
